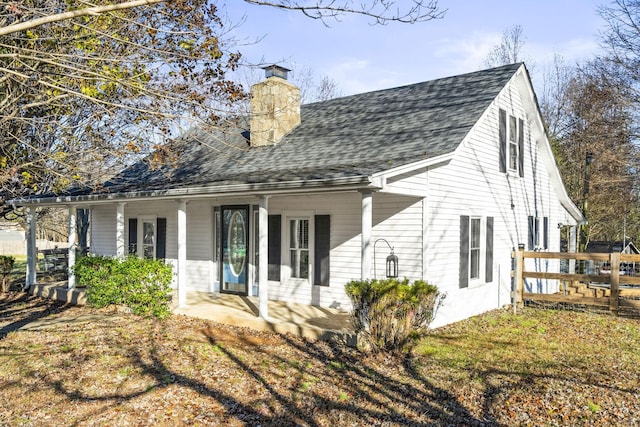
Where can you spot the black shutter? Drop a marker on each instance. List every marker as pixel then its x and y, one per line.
pixel 161 238
pixel 274 231
pixel 521 147
pixel 488 268
pixel 545 232
pixel 464 251
pixel 133 236
pixel 502 137
pixel 532 231
pixel 322 248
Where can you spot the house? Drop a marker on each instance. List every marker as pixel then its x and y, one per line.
pixel 450 174
pixel 607 247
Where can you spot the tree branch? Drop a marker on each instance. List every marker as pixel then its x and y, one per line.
pixel 96 10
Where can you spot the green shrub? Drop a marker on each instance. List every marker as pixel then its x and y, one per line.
pixel 141 284
pixel 6 267
pixel 387 313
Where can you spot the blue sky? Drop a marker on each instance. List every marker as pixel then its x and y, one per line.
pixel 360 57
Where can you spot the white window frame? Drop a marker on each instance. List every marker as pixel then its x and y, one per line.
pixel 141 220
pixel 475 249
pixel 512 144
pixel 481 250
pixel 286 270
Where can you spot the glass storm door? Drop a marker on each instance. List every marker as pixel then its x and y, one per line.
pixel 235 249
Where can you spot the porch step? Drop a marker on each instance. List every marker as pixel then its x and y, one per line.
pixel 59 291
pixel 584 290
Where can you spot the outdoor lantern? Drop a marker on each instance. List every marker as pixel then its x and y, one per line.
pixel 392 260
pixel 392 265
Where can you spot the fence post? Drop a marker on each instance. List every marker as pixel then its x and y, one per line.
pixel 615 283
pixel 518 300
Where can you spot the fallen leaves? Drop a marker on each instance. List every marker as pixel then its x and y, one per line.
pixel 110 368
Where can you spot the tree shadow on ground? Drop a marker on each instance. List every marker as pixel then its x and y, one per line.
pixel 18 309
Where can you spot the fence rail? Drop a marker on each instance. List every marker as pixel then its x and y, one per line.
pixel 584 288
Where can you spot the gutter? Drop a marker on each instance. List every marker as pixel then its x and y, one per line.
pixel 288 187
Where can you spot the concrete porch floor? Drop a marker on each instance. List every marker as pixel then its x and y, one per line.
pixel 297 319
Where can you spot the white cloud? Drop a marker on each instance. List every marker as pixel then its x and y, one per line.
pixel 467 54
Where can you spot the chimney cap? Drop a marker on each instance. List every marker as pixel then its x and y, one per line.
pixel 275 70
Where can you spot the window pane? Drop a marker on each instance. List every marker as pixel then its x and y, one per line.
pixel 512 129
pixel 293 233
pixel 303 233
pixel 304 264
pixel 294 263
pixel 513 156
pixel 475 233
pixel 474 270
pixel 147 233
pixel 148 251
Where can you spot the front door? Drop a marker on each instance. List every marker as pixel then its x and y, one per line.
pixel 235 249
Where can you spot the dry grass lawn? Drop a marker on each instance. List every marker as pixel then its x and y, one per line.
pixel 73 366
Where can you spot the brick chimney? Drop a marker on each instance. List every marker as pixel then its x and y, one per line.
pixel 275 107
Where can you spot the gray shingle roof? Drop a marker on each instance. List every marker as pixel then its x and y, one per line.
pixel 357 135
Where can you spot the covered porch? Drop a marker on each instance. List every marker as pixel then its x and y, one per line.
pixel 284 317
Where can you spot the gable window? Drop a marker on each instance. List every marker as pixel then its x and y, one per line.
pixel 299 247
pixel 476 246
pixel 511 143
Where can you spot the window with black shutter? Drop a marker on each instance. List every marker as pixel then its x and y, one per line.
pixel 502 137
pixel 464 251
pixel 133 236
pixel 322 249
pixel 274 241
pixel 489 251
pixel 154 232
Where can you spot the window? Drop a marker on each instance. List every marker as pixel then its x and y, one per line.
pixel 147 237
pixel 299 247
pixel 511 143
pixel 308 250
pixel 474 249
pixel 534 232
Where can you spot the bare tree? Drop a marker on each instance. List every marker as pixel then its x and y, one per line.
pixel 599 121
pixel 85 86
pixel 554 102
pixel 509 50
pixel 379 11
pixel 621 37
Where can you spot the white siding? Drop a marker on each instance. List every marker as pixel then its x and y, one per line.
pixel 473 185
pixel 418 213
pixel 103 230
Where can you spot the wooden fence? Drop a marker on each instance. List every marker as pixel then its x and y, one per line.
pixel 614 282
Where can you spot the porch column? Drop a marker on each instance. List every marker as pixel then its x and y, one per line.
pixel 182 253
pixel 31 248
pixel 120 240
pixel 263 261
pixel 72 247
pixel 367 221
